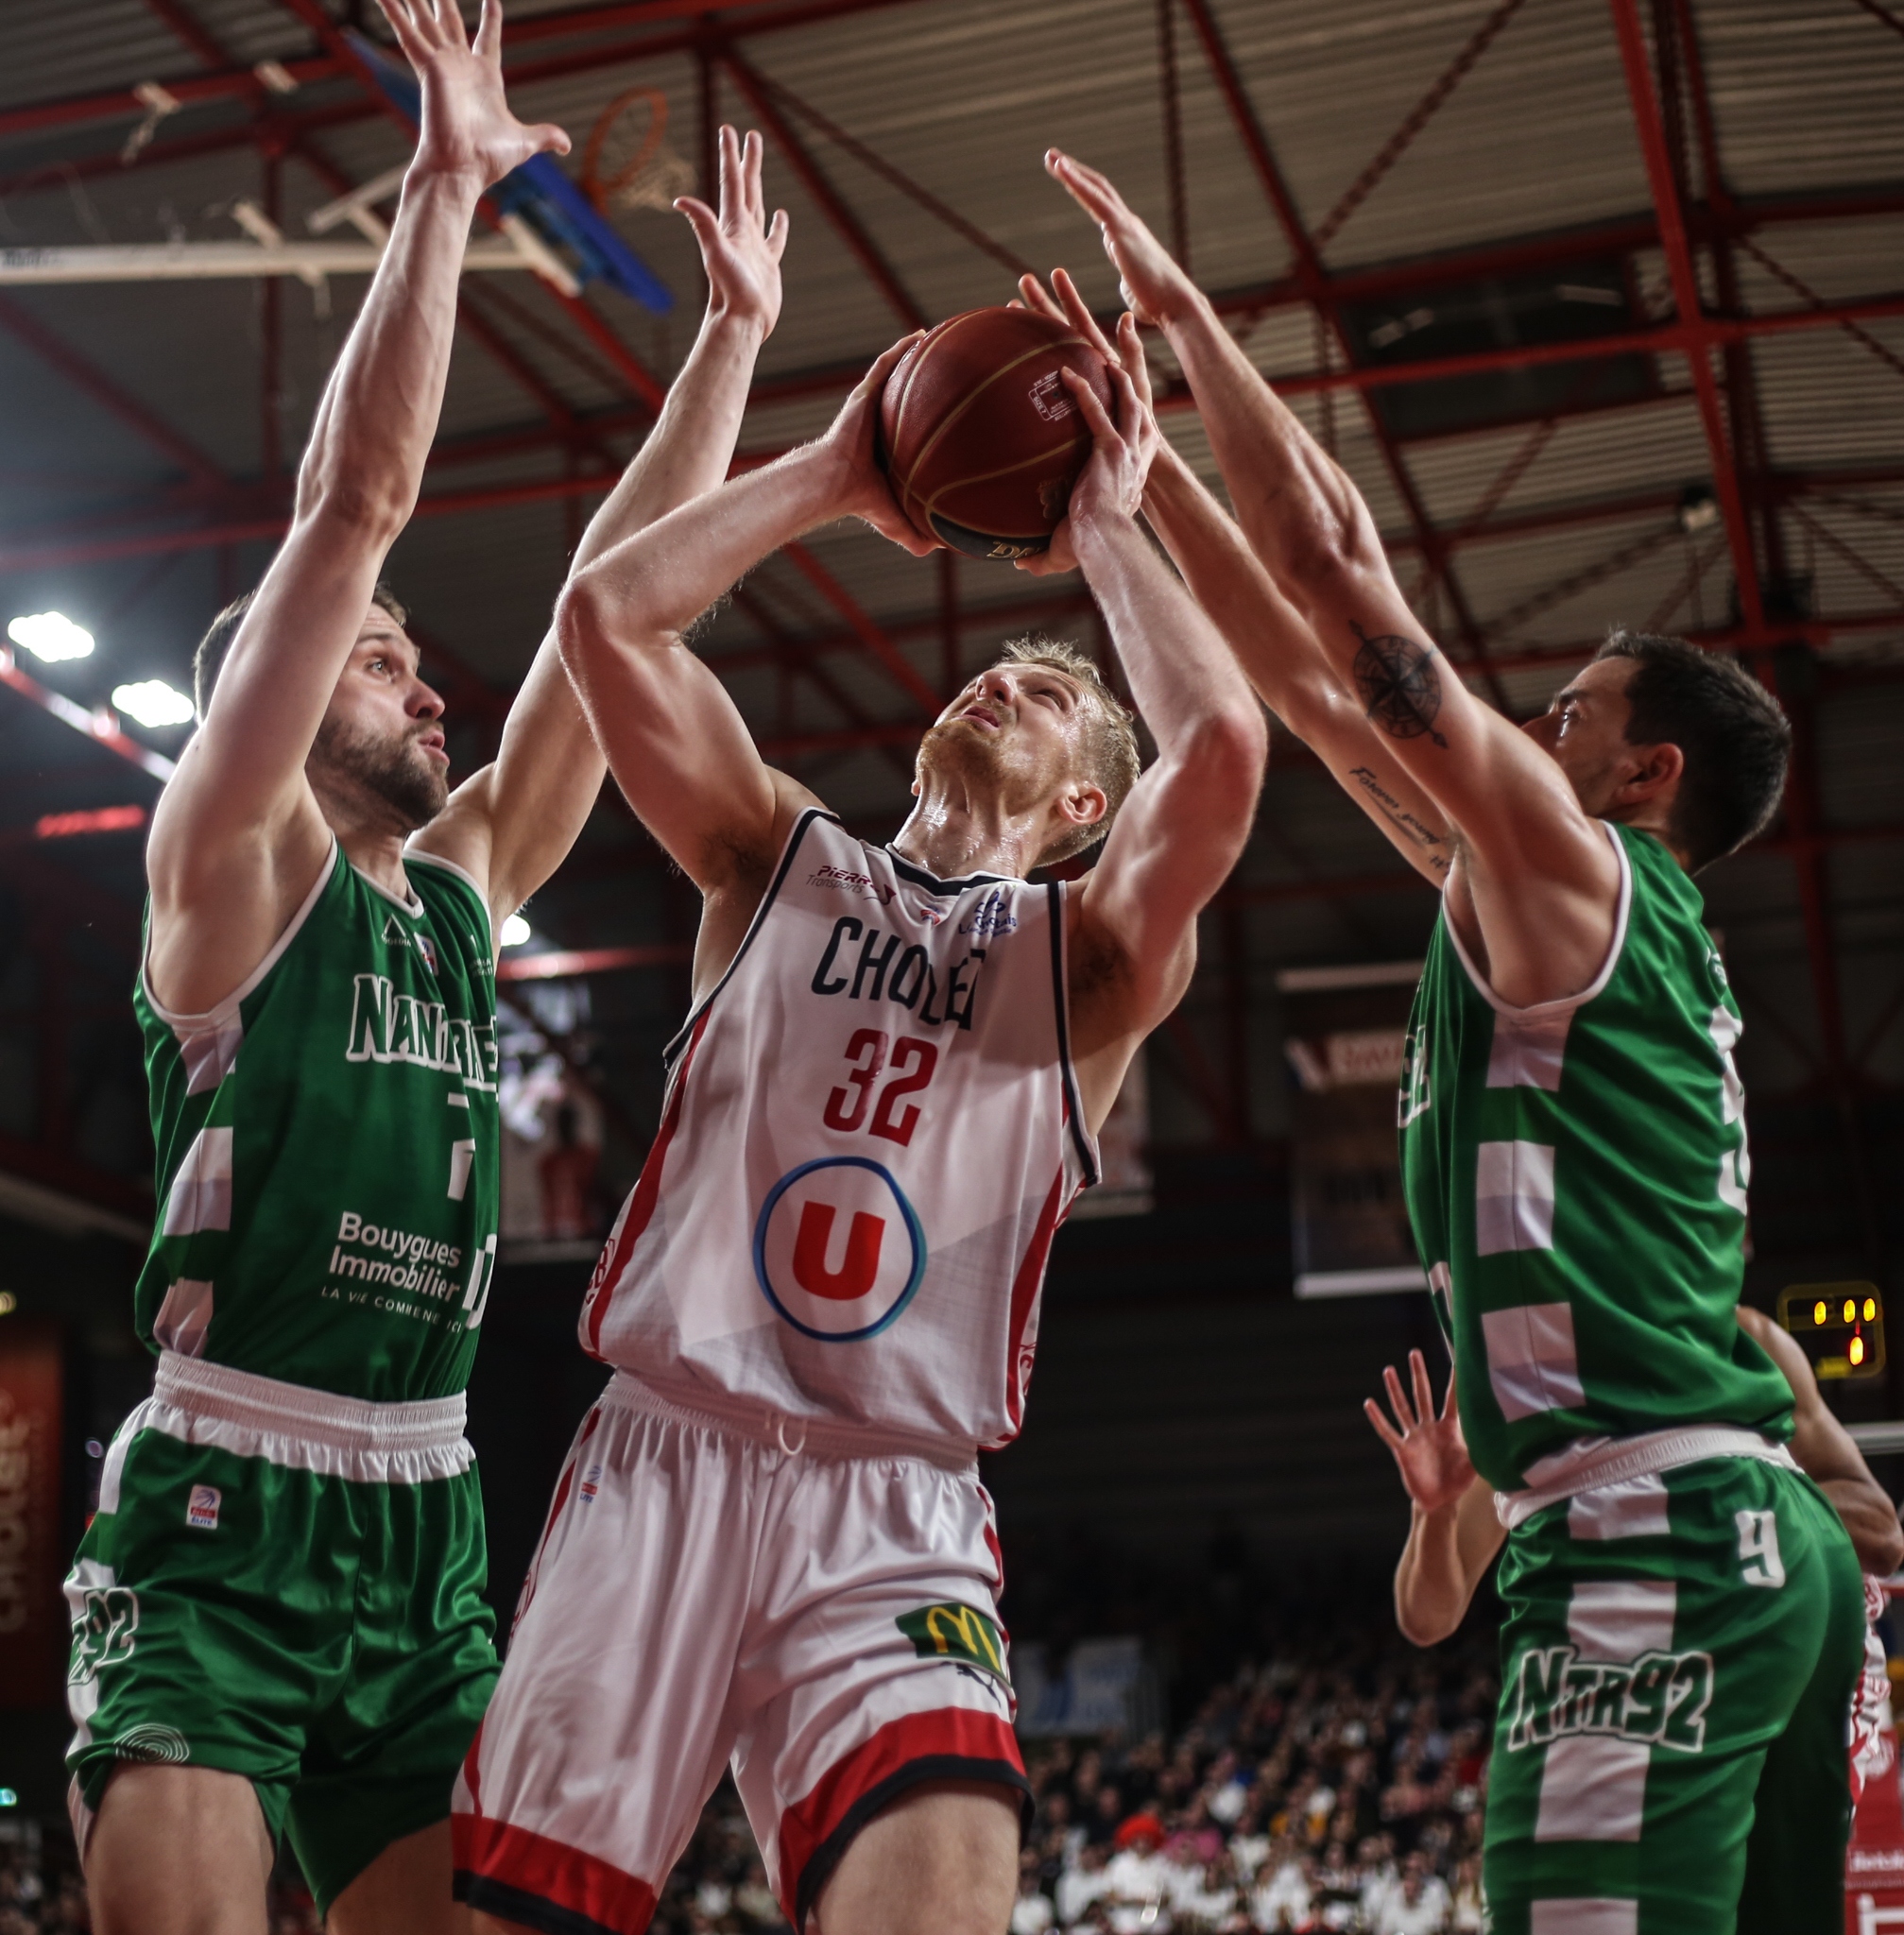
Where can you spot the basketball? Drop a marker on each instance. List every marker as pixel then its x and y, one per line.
pixel 979 435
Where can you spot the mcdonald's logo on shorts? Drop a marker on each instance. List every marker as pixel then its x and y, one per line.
pixel 960 1634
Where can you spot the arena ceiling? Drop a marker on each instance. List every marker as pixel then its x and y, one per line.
pixel 1601 302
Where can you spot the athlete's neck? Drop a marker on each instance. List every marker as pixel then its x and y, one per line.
pixel 1650 817
pixel 370 834
pixel 953 831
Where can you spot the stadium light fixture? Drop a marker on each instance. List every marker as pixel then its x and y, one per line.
pixel 515 930
pixel 50 636
pixel 153 703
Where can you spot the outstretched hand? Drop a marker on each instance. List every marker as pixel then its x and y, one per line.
pixel 1429 1448
pixel 467 126
pixel 1154 286
pixel 741 253
pixel 1125 353
pixel 852 441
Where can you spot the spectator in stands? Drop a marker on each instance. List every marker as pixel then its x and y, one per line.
pixel 1033 1912
pixel 1081 1886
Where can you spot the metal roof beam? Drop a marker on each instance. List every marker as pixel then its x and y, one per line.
pixel 21 323
pixel 865 628
pixel 193 32
pixel 1697 338
pixel 651 393
pixel 639 377
pixel 234 82
pixel 834 205
pixel 1314 284
pixel 74 543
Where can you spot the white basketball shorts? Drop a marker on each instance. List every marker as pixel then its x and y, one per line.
pixel 815 1606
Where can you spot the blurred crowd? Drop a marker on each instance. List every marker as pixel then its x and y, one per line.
pixel 41 1892
pixel 1302 1797
pixel 1339 1787
pixel 1339 1794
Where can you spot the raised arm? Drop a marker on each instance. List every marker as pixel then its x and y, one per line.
pixel 1453 1532
pixel 1184 825
pixel 1289 669
pixel 512 824
pixel 1828 1454
pixel 238 836
pixel 1542 875
pixel 1271 639
pixel 675 741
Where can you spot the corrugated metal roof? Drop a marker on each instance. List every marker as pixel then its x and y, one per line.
pixel 964 96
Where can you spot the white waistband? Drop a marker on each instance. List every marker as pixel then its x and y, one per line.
pixel 792 1434
pixel 296 1410
pixel 1588 1463
pixel 292 1426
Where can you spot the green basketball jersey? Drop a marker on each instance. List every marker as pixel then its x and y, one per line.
pixel 328 1147
pixel 1575 1174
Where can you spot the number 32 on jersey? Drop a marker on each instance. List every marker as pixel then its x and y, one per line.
pixel 878 1106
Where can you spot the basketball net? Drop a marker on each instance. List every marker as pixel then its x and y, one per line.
pixel 626 162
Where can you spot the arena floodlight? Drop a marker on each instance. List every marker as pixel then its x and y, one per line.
pixel 50 636
pixel 153 703
pixel 516 932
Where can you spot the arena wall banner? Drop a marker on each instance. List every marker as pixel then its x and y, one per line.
pixel 32 1558
pixel 1343 1033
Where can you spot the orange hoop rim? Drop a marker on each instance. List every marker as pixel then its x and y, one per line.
pixel 593 186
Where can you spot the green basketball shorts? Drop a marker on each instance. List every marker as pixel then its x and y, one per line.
pixel 285 1585
pixel 1678 1659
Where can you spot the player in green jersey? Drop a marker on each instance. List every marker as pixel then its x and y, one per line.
pixel 277 1611
pixel 1455 1533
pixel 1574 1159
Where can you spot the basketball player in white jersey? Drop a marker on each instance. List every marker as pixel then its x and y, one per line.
pixel 770 1545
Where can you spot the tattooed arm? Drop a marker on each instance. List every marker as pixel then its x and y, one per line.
pixel 1534 890
pixel 1292 675
pixel 1271 639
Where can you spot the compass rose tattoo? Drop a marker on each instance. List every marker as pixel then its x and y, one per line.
pixel 1399 684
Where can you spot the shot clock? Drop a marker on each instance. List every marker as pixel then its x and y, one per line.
pixel 1840 1327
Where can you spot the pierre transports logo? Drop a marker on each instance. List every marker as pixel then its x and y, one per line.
pixel 842 880
pixel 1660 1698
pixel 960 1634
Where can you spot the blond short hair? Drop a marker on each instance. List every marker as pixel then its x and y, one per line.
pixel 1112 763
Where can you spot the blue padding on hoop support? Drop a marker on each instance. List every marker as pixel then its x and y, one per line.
pixel 544 196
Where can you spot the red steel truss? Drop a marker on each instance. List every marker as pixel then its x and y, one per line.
pixel 1672 114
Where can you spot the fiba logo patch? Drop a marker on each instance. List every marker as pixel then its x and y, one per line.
pixel 201 1509
pixel 839 1251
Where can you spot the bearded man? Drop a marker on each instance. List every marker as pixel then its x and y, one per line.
pixel 278 1611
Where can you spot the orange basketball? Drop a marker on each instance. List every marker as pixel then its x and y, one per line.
pixel 981 438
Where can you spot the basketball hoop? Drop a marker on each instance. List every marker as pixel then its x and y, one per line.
pixel 626 162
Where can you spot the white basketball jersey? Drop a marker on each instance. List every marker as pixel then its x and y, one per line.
pixel 871 1132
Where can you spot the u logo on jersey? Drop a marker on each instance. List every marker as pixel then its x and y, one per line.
pixel 839 1251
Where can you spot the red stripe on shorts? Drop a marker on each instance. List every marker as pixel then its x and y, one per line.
pixel 561 1498
pixel 953 1732
pixel 547 1871
pixel 473 1772
pixel 641 1209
